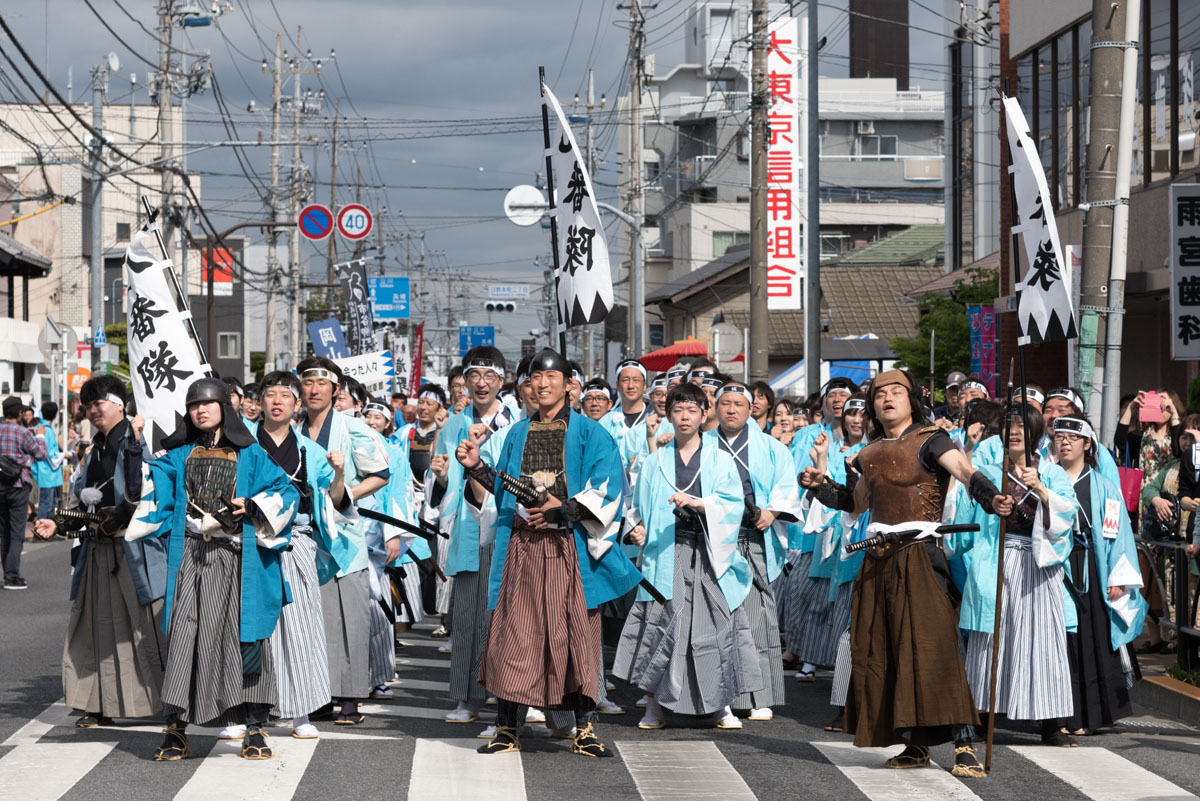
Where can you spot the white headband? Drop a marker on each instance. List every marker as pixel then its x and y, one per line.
pixel 736 389
pixel 1068 395
pixel 977 385
pixel 111 398
pixel 595 390
pixel 854 405
pixel 716 383
pixel 635 364
pixel 658 383
pixel 673 374
pixel 575 376
pixel 1031 394
pixel 372 406
pixel 430 395
pixel 320 372
pixel 484 364
pixel 1075 425
pixel 289 387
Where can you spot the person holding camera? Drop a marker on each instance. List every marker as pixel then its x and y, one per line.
pixel 19 449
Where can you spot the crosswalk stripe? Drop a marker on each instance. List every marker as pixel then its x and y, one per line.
pixel 404 683
pixel 47 771
pixel 410 661
pixel 402 711
pixel 57 714
pixel 673 770
pixel 224 775
pixel 864 767
pixel 274 732
pixel 452 770
pixel 1102 775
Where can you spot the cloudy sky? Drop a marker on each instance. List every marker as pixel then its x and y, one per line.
pixel 402 66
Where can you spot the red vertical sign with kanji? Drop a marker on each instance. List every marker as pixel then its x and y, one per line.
pixel 785 269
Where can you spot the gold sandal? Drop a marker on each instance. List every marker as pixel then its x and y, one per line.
pixel 175 745
pixel 588 744
pixel 966 764
pixel 913 756
pixel 254 745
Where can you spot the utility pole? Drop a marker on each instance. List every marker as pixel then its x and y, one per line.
pixel 812 222
pixel 166 136
pixel 99 89
pixel 273 202
pixel 333 179
pixel 1114 64
pixel 637 255
pixel 759 106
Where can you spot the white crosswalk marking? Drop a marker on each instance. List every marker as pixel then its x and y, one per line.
pixel 417 662
pixel 864 767
pixel 1102 775
pixel 46 771
pixel 404 683
pixel 57 714
pixel 452 770
pixel 672 771
pixel 401 711
pixel 225 775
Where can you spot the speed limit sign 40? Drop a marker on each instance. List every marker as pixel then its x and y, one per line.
pixel 354 221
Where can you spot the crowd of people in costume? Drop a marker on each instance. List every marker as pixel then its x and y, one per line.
pixel 258 568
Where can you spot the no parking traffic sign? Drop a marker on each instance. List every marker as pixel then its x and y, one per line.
pixel 354 221
pixel 315 221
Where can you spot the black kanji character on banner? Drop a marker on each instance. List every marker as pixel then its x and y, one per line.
pixel 1189 328
pixel 1039 211
pixel 157 369
pixel 1187 211
pixel 1045 269
pixel 577 187
pixel 579 248
pixel 141 317
pixel 1189 251
pixel 1189 290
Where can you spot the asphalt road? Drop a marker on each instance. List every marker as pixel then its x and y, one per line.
pixel 405 750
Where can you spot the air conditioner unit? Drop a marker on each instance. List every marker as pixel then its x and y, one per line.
pixel 866 127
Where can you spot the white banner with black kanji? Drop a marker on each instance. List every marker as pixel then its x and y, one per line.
pixel 164 358
pixel 1044 296
pixel 584 280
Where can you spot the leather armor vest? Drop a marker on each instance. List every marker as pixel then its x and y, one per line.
pixel 901 489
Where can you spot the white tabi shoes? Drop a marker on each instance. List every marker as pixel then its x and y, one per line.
pixel 464 713
pixel 762 713
pixel 653 719
pixel 725 719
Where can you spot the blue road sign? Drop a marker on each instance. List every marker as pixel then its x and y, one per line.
pixel 471 335
pixel 315 221
pixel 389 297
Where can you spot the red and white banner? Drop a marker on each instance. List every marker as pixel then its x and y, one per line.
pixel 785 200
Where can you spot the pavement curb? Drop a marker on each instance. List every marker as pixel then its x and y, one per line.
pixel 1168 696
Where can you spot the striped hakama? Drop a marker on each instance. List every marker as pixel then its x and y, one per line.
pixel 346 604
pixel 781 586
pixel 764 626
pixel 114 654
pixel 411 585
pixel 543 643
pixel 298 642
pixel 1034 676
pixel 444 591
pixel 381 652
pixel 470 614
pixel 841 669
pixel 817 638
pixel 205 683
pixel 795 600
pixel 693 654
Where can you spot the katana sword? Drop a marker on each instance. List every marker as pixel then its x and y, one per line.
pixel 371 514
pixel 889 537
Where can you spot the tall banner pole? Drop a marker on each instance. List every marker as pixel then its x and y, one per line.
pixel 1005 465
pixel 562 329
pixel 181 295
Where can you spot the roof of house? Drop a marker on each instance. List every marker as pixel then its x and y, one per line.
pixel 736 255
pixel 20 259
pixel 917 244
pixel 944 283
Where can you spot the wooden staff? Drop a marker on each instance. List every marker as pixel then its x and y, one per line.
pixel 1006 465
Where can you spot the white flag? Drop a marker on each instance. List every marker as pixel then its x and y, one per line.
pixel 163 357
pixel 1044 296
pixel 584 282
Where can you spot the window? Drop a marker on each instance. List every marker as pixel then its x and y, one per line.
pixel 1186 108
pixel 657 334
pixel 724 240
pixel 1157 104
pixel 875 148
pixel 229 345
pixel 123 232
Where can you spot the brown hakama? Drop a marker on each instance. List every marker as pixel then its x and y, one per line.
pixel 907 670
pixel 543 643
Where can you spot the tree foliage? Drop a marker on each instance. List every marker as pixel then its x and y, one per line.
pixel 948 317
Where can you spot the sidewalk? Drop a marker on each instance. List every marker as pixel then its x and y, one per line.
pixel 1163 694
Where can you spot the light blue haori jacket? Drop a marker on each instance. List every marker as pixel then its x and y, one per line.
pixel 596 481
pixel 614 423
pixel 1052 543
pixel 365 455
pixel 724 505
pixel 773 474
pixel 162 512
pixel 1106 465
pixel 825 524
pixel 47 473
pixel 1115 552
pixel 397 499
pixel 848 564
pixel 453 512
pixel 637 447
pixel 799 538
pixel 146 558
